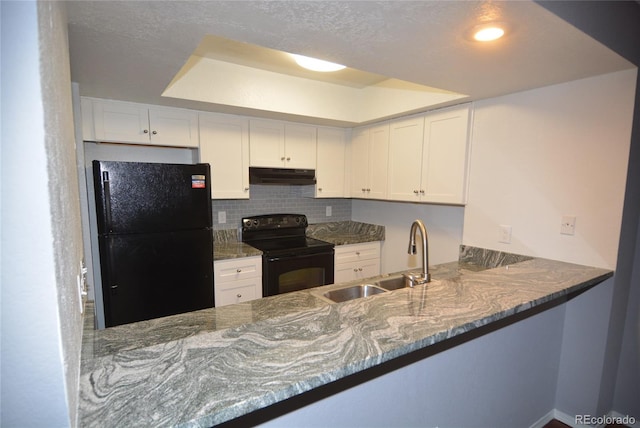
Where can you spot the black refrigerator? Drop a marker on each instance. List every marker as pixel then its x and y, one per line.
pixel 155 239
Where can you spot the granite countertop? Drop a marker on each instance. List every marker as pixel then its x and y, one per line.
pixel 346 232
pixel 176 371
pixel 227 246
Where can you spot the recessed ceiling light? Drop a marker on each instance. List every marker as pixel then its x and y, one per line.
pixel 488 32
pixel 316 64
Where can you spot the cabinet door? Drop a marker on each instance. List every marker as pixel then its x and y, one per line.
pixel 367 269
pixel 405 159
pixel 224 144
pixel 378 162
pixel 330 163
pixel 344 272
pixel 266 143
pixel 444 165
pixel 173 127
pixel 359 162
pixel 300 146
pixel 121 122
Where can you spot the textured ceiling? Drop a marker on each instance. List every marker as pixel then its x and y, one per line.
pixel 132 50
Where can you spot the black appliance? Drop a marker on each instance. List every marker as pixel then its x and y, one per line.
pixel 155 239
pixel 291 261
pixel 282 176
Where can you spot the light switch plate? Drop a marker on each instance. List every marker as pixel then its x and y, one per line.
pixel 504 234
pixel 328 211
pixel 222 217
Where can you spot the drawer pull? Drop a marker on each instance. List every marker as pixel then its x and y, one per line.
pixel 357 253
pixel 238 295
pixel 239 270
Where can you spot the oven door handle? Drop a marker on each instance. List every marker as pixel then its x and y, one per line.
pixel 299 256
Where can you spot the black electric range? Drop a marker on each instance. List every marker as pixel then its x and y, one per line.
pixel 291 261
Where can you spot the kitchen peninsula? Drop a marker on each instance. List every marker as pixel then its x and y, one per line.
pixel 212 366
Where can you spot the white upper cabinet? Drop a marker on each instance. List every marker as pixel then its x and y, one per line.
pixel 123 122
pixel 282 145
pixel 405 158
pixel 428 157
pixel 369 161
pixel 445 156
pixel 330 166
pixel 224 144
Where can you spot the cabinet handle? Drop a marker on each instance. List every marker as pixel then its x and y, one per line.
pixel 282 158
pixel 154 132
pixel 368 190
pixel 415 191
pixel 319 189
pixel 357 253
pixel 364 190
pixel 246 189
pixel 288 159
pixel 238 295
pixel 422 191
pixel 146 131
pixel 238 270
pixel 355 269
pixel 360 269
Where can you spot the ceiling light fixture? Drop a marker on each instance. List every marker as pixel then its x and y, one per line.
pixel 488 32
pixel 316 64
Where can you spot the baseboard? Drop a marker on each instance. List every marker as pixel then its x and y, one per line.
pixel 620 416
pixel 544 420
pixel 571 420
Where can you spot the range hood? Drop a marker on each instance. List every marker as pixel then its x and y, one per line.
pixel 282 176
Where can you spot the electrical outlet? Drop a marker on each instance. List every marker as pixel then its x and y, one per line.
pixel 328 211
pixel 504 234
pixel 80 292
pixel 222 217
pixel 81 281
pixel 568 225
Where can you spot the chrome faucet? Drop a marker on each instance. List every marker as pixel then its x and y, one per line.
pixel 425 276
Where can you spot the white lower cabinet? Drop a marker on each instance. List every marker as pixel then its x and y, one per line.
pixel 356 261
pixel 237 280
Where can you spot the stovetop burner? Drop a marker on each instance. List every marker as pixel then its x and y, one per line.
pixel 280 233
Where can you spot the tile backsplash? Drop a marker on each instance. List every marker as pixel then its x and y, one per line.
pixel 272 199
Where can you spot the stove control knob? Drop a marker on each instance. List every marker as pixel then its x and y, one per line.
pixel 255 223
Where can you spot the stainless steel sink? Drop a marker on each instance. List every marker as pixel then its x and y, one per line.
pixel 353 292
pixel 391 284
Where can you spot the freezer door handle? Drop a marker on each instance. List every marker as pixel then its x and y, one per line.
pixel 107 199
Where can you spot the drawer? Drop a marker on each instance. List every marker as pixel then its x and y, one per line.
pixel 237 269
pixel 356 252
pixel 243 291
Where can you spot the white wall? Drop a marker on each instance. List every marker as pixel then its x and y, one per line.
pixel 443 223
pixel 542 154
pixel 41 237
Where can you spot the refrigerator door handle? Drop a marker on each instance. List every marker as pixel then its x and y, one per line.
pixel 107 199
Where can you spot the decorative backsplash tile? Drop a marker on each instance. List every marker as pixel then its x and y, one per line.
pixel 273 199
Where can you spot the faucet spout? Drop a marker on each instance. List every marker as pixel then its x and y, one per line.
pixel 425 276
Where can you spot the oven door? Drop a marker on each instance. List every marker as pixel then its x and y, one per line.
pixel 282 274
